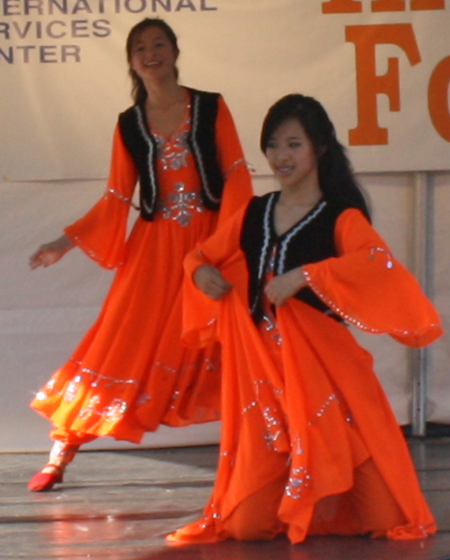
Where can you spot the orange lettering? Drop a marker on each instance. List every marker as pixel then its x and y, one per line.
pixel 341 7
pixel 438 100
pixel 369 85
pixel 388 6
pixel 427 4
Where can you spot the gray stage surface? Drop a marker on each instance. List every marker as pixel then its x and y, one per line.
pixel 118 505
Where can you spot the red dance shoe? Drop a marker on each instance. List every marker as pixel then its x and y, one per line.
pixel 44 481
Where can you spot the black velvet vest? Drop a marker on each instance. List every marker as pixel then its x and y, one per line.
pixel 201 139
pixel 310 240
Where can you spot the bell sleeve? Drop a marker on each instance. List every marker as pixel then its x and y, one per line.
pixel 221 250
pixel 370 289
pixel 102 232
pixel 238 184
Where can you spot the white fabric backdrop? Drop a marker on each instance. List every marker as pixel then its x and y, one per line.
pixel 56 112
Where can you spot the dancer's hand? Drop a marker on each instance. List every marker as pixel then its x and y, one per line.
pixel 210 281
pixel 280 288
pixel 52 252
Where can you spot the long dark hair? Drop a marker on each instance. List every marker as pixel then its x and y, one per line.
pixel 336 178
pixel 138 91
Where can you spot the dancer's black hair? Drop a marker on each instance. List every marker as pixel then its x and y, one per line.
pixel 336 178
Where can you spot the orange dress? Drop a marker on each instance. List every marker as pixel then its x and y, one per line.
pixel 309 443
pixel 130 372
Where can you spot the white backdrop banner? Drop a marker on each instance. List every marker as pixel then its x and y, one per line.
pixel 380 67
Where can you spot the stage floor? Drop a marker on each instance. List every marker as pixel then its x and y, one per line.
pixel 118 505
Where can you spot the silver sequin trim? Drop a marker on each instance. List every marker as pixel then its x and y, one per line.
pixel 299 480
pixel 272 327
pixel 265 247
pixel 151 171
pixel 115 410
pixel 273 417
pixel 350 319
pixel 332 398
pixel 93 255
pixel 238 163
pixel 274 427
pixel 389 261
pixel 119 196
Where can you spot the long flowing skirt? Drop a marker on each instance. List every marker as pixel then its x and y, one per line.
pixel 130 372
pixel 309 443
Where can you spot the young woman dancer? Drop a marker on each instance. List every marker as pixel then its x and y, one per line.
pixel 130 373
pixel 309 443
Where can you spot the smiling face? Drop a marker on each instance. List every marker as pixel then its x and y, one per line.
pixel 152 54
pixel 291 156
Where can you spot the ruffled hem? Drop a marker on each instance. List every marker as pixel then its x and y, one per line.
pixel 81 400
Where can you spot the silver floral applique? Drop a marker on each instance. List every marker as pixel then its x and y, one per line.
pixel 181 205
pixel 173 154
